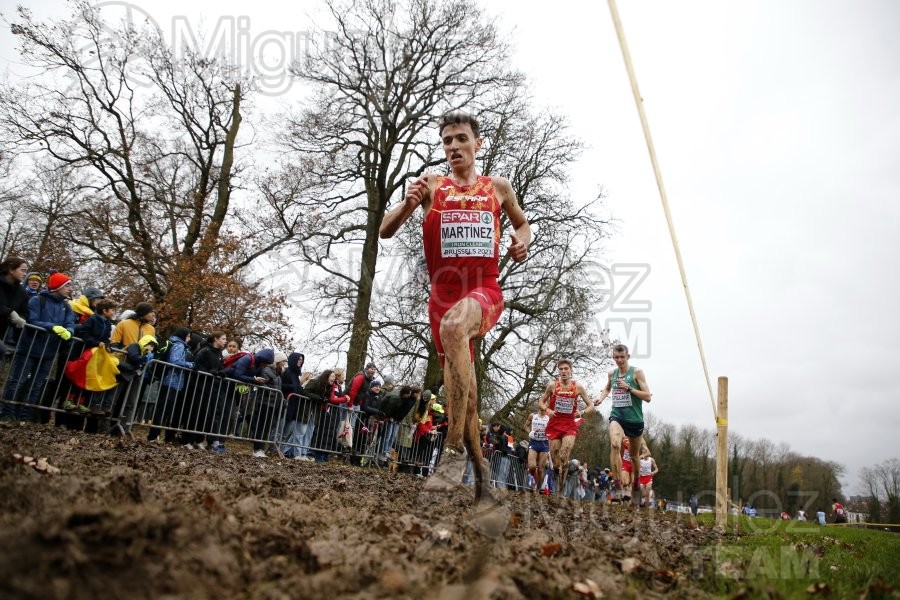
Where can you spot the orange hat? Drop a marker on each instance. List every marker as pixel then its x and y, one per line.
pixel 57 280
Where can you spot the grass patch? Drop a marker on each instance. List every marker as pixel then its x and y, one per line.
pixel 793 559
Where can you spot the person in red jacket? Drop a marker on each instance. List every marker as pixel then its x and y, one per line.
pixel 359 385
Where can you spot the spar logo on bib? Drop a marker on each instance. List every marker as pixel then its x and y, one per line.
pixel 467 233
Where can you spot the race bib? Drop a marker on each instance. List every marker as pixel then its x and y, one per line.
pixel 621 398
pixel 467 233
pixel 564 405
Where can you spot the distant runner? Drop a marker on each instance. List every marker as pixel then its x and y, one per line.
pixel 560 402
pixel 538 444
pixel 648 470
pixel 629 390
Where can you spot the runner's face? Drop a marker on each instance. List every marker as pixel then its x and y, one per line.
pixel 565 371
pixel 621 359
pixel 460 146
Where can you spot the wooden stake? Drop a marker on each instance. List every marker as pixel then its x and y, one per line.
pixel 722 455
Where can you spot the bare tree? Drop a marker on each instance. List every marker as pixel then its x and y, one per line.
pixel 390 68
pixel 157 166
pixel 548 297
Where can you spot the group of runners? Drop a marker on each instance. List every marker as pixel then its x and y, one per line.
pixel 462 213
pixel 554 426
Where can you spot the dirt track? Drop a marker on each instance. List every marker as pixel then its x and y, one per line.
pixel 137 520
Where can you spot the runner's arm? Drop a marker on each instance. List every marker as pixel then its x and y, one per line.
pixel 589 406
pixel 643 393
pixel 655 468
pixel 543 402
pixel 418 193
pixel 521 239
pixel 605 391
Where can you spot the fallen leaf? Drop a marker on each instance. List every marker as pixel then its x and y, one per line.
pixel 666 576
pixel 629 565
pixel 442 535
pixel 818 588
pixel 515 521
pixel 877 589
pixel 551 549
pixel 588 588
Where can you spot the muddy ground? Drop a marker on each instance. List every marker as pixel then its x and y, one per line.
pixel 126 519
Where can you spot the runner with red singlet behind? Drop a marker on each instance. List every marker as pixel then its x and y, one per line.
pixel 560 401
pixel 461 234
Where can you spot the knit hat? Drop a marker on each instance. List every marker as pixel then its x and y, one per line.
pixel 375 384
pixel 437 408
pixel 371 366
pixel 57 280
pixel 280 356
pixel 34 276
pixel 143 309
pixel 93 293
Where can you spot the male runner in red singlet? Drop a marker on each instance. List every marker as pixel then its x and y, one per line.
pixel 560 401
pixel 461 231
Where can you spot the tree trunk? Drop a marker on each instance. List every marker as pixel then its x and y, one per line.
pixel 362 326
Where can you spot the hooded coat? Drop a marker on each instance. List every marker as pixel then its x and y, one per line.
pixel 13 298
pixel 297 407
pixel 178 355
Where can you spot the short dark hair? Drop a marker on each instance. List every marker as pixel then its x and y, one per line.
pixel 104 304
pixel 620 348
pixel 459 118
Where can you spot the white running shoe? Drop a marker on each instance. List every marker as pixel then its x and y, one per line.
pixel 259 454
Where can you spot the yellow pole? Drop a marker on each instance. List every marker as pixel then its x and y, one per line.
pixel 722 455
pixel 662 189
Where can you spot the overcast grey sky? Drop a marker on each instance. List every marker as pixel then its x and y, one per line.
pixel 777 126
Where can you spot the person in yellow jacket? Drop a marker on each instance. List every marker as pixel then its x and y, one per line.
pixel 131 330
pixel 85 305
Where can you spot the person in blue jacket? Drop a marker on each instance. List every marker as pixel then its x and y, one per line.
pixel 52 322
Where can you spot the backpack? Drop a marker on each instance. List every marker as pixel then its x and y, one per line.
pixel 161 354
pixel 228 363
pixel 391 402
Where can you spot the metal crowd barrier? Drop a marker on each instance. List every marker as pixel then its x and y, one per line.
pixel 35 384
pixel 185 406
pixel 508 471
